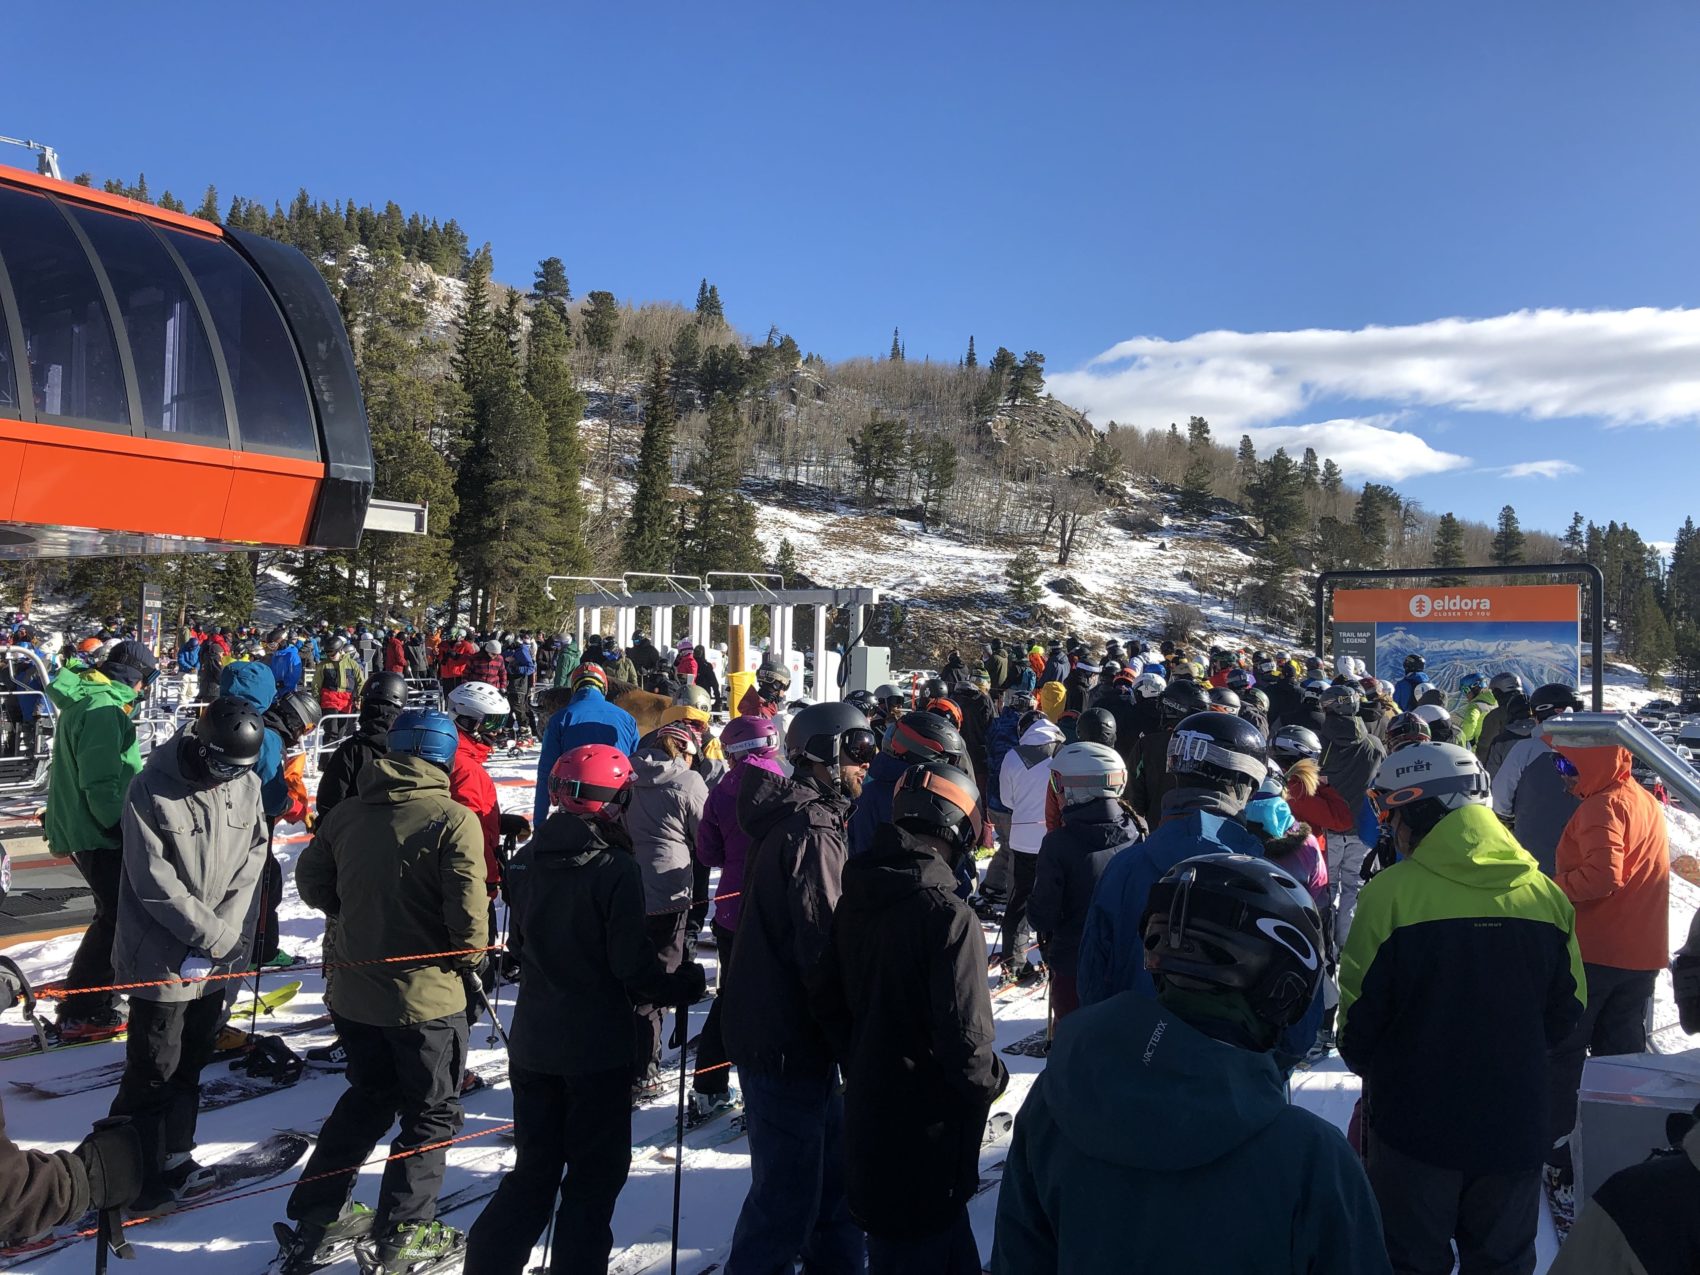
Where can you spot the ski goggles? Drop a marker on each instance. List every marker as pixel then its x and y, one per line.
pixel 1194 748
pixel 1565 767
pixel 224 769
pixel 858 747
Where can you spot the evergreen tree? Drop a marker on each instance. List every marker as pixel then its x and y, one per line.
pixel 1575 545
pixel 1332 479
pixel 1028 379
pixel 1245 463
pixel 649 532
pixel 933 461
pixel 1104 461
pixel 686 354
pixel 476 341
pixel 550 285
pixel 1022 572
pixel 1372 518
pixel 722 534
pixel 601 324
pixel 785 561
pixel 1273 564
pixel 1653 646
pixel 1197 483
pixel 971 359
pixel 1310 472
pixel 1275 496
pixel 1449 549
pixel 1508 539
pixel 896 355
pixel 549 381
pixel 1683 580
pixel 877 454
pixel 709 312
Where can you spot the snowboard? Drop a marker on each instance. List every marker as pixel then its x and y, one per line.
pixel 268 1159
pixel 1563 1211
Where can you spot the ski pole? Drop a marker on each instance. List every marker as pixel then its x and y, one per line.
pixel 683 1011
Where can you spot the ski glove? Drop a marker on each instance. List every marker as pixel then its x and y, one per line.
pixel 692 983
pixel 112 1157
pixel 194 967
pixel 516 826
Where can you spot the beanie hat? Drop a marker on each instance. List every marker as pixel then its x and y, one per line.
pixel 130 662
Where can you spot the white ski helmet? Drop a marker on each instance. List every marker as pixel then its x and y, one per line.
pixel 1440 777
pixel 1149 685
pixel 479 707
pixel 1086 772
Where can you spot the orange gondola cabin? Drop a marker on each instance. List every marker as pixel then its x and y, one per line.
pixel 167 384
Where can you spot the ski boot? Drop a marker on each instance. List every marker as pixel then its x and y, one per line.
pixel 82 1029
pixel 648 1088
pixel 409 1247
pixel 310 1246
pixel 706 1106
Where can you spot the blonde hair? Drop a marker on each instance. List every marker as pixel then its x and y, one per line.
pixel 1304 777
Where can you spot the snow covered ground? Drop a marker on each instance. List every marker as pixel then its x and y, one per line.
pixel 235 1238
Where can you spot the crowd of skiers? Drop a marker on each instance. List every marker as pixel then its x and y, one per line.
pixel 1229 867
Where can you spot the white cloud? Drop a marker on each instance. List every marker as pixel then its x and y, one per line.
pixel 1623 367
pixel 1363 448
pixel 1540 469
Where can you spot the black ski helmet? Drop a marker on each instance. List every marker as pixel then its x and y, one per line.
pixel 299 713
pixel 938 799
pixel 830 733
pixel 1553 698
pixel 1295 743
pixel 1236 923
pixel 934 688
pixel 388 689
pixel 922 736
pixel 1096 726
pixel 1223 700
pixel 1220 751
pixel 864 700
pixel 1415 663
pixel 1407 729
pixel 1182 698
pixel 228 737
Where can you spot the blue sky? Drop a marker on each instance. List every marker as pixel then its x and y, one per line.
pixel 1062 177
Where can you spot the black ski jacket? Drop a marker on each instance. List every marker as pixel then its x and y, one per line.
pixel 576 895
pixel 1256 718
pixel 1284 701
pixel 1149 779
pixel 340 778
pixel 977 717
pixel 1071 860
pixel 792 874
pixel 902 995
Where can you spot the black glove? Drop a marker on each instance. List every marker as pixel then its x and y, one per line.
pixel 112 1155
pixel 691 982
pixel 516 826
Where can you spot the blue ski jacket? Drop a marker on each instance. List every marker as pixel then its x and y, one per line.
pixel 254 683
pixel 1409 689
pixel 1141 1128
pixel 1004 735
pixel 286 669
pixel 588 718
pixel 873 807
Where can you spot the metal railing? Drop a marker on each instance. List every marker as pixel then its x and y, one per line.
pixel 1591 730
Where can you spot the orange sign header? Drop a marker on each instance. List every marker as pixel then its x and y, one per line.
pixel 1550 602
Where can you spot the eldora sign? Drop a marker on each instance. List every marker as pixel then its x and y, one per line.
pixel 1531 602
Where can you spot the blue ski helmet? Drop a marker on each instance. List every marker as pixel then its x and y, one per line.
pixel 426 733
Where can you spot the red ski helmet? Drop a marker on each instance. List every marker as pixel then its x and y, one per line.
pixel 589 778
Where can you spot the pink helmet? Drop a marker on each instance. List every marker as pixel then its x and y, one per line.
pixel 750 736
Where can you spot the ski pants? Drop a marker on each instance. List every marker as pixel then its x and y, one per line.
pixel 950 1252
pixel 1425 1210
pixel 712 1075
pixel 700 900
pixel 573 1136
pixel 413 1072
pixel 267 929
pixel 1023 869
pixel 92 964
pixel 168 1045
pixel 996 880
pixel 1614 1022
pixel 1345 878
pixel 519 699
pixel 667 935
pixel 796 1208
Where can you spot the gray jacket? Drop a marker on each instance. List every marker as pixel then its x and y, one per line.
pixel 192 861
pixel 1529 794
pixel 666 804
